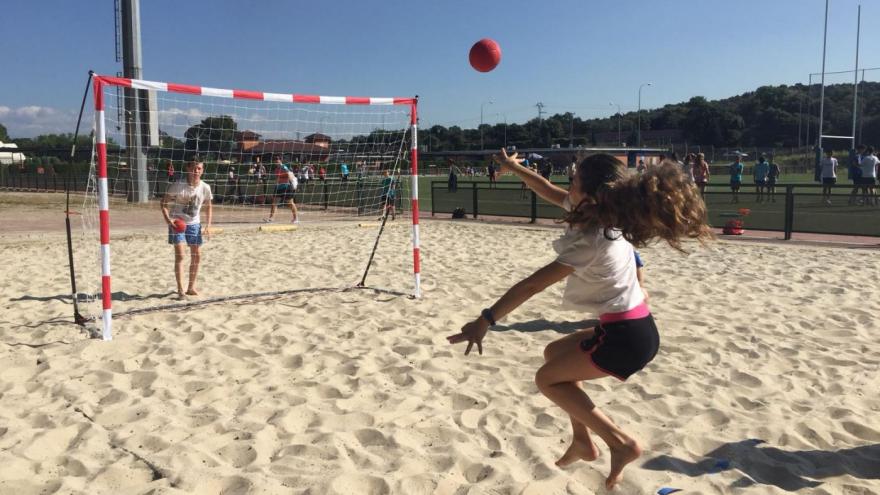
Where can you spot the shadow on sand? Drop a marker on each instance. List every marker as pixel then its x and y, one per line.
pixel 117 296
pixel 787 470
pixel 565 327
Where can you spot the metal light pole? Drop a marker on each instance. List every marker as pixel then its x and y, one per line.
pixel 639 130
pixel 822 89
pixel 481 120
pixel 856 78
pixel 618 121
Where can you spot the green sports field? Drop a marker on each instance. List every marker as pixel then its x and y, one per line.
pixel 809 212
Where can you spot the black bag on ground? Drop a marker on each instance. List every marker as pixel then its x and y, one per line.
pixel 458 213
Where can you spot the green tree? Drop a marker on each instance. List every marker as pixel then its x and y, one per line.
pixel 212 136
pixel 4 136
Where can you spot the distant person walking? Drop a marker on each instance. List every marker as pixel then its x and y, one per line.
pixel 868 165
pixel 772 178
pixel 452 182
pixel 829 175
pixel 736 178
pixel 760 172
pixel 854 171
pixel 169 170
pixel 688 166
pixel 490 172
pixel 285 187
pixel 701 173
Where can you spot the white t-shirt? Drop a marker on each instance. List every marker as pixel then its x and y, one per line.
pixel 829 168
pixel 187 200
pixel 604 278
pixel 868 164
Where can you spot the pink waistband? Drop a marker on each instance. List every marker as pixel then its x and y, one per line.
pixel 637 312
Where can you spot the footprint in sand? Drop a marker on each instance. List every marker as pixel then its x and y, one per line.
pixel 745 379
pixel 237 352
pixel 360 484
pixel 292 362
pixel 115 396
pixel 236 485
pixel 475 473
pixel 143 379
pixel 462 401
pixel 861 431
pixel 369 437
pixel 405 350
pixel 420 483
pixel 238 454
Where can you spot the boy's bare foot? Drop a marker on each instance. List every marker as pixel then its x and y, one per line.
pixel 578 450
pixel 620 457
pixel 192 292
pixel 180 295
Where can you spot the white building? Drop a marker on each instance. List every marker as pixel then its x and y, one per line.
pixel 10 157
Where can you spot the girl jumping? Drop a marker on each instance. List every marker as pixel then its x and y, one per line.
pixel 608 211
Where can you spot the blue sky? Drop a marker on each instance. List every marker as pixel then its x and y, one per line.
pixel 571 55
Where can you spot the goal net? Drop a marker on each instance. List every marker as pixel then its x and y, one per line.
pixel 309 193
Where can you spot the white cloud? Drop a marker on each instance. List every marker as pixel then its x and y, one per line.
pixel 33 120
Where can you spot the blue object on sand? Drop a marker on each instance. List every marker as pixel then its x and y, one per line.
pixel 667 491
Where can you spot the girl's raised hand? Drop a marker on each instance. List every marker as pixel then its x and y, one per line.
pixel 507 161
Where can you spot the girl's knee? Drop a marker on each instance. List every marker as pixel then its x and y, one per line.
pixel 542 378
pixel 549 351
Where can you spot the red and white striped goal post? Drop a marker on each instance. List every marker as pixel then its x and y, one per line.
pixel 100 81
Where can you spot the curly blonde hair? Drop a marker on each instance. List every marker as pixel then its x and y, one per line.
pixel 660 203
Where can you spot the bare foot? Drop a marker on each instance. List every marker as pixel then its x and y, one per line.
pixel 192 292
pixel 180 295
pixel 620 457
pixel 578 450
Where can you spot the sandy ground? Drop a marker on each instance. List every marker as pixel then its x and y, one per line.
pixel 763 383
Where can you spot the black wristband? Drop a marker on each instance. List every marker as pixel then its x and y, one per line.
pixel 487 314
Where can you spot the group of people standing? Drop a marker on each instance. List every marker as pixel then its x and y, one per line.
pixel 765 175
pixel 864 168
pixel 694 166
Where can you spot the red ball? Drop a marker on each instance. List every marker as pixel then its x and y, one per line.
pixel 485 55
pixel 179 225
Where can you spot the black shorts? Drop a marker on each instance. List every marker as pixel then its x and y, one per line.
pixel 865 181
pixel 829 181
pixel 284 193
pixel 623 347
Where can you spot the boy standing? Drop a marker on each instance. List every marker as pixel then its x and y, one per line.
pixel 187 198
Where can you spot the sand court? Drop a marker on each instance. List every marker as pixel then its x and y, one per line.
pixel 765 382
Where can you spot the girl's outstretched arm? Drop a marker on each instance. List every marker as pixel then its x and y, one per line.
pixel 542 187
pixel 474 331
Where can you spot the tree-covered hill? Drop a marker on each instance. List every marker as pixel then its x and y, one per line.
pixel 781 116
